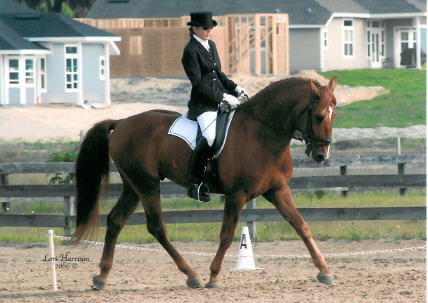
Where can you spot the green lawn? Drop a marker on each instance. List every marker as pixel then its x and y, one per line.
pixel 403 106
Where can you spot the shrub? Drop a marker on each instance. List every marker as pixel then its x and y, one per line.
pixel 63 157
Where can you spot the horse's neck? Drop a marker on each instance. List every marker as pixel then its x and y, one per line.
pixel 277 117
pixel 273 127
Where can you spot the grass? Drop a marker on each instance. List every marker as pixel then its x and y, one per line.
pixel 403 106
pixel 266 231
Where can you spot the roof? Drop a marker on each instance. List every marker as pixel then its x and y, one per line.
pixel 419 4
pixel 11 7
pixel 298 10
pixel 12 41
pixel 301 12
pixel 372 6
pixel 50 25
pixel 21 28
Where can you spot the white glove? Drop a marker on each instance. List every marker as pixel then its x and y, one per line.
pixel 241 91
pixel 232 101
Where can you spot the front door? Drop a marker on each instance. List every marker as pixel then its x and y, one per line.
pixel 375 45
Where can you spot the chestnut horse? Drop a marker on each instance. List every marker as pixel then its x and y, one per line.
pixel 255 161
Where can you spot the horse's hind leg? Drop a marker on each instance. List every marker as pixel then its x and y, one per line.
pixel 116 219
pixel 283 201
pixel 157 227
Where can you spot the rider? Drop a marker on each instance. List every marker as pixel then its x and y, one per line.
pixel 210 87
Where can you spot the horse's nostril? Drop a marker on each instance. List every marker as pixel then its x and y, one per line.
pixel 320 157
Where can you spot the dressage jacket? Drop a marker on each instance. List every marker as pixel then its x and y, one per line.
pixel 208 81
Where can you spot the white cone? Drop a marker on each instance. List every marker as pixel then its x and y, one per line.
pixel 245 254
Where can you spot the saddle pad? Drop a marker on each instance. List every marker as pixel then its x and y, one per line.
pixel 187 130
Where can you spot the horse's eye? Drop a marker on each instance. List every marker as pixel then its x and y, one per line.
pixel 319 119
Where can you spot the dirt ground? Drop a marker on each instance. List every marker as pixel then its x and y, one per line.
pixel 151 276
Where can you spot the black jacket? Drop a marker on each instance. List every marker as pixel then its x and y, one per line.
pixel 208 81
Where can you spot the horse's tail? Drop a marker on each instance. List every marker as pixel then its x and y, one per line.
pixel 92 167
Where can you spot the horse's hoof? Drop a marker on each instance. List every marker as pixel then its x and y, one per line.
pixel 326 279
pixel 98 284
pixel 212 285
pixel 193 282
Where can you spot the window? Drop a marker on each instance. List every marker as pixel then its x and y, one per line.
pixel 348 38
pixel 14 72
pixel 325 39
pixel 368 44
pixel 71 68
pixel 102 68
pixel 408 39
pixel 43 75
pixel 29 72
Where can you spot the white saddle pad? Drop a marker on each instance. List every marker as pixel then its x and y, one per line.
pixel 187 130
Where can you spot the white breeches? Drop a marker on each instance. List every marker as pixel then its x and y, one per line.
pixel 207 123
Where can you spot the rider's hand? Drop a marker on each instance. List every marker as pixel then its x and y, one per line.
pixel 241 91
pixel 232 101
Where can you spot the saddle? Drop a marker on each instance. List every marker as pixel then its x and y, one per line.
pixel 190 132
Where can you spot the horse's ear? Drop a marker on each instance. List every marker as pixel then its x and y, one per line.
pixel 333 82
pixel 315 90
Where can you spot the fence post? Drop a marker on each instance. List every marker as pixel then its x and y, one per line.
pixel 68 211
pixel 398 146
pixel 401 171
pixel 252 224
pixel 344 172
pixel 4 180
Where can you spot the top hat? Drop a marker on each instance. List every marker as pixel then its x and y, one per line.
pixel 202 19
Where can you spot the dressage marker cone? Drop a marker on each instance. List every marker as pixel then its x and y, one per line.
pixel 245 254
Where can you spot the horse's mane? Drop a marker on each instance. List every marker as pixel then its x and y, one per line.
pixel 274 88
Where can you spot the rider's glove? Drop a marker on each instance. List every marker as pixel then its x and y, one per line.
pixel 241 91
pixel 232 101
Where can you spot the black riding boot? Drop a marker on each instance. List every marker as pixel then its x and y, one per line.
pixel 196 170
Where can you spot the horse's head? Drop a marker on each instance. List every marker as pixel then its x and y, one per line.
pixel 321 111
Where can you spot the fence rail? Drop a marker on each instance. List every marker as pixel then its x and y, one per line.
pixel 68 167
pixel 169 189
pixel 250 215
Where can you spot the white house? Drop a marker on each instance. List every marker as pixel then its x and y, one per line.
pixel 48 58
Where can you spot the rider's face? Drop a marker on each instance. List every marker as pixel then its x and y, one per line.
pixel 203 32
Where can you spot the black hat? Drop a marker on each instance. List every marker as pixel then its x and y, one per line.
pixel 202 19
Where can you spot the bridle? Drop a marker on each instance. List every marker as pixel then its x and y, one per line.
pixel 308 135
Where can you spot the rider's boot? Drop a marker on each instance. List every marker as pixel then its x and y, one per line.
pixel 195 172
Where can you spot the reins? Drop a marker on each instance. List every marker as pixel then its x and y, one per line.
pixel 309 136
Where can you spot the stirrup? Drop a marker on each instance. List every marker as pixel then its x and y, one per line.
pixel 199 192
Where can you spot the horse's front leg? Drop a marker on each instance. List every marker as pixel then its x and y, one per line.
pixel 283 201
pixel 232 210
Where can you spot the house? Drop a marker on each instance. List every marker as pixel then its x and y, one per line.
pixel 48 58
pixel 323 34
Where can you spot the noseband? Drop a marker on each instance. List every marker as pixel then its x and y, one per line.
pixel 308 135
